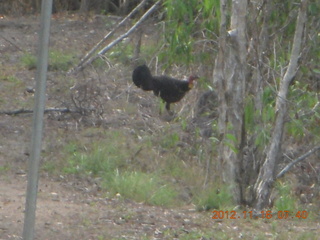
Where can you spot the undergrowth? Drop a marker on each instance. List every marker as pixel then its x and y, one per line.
pixel 122 163
pixel 58 61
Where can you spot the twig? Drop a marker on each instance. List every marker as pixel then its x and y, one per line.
pixel 115 42
pixel 21 111
pixel 299 159
pixel 83 61
pixel 136 154
pixel 12 43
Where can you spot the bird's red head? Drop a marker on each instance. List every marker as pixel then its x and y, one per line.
pixel 191 79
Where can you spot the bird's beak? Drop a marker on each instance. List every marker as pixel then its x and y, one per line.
pixel 191 84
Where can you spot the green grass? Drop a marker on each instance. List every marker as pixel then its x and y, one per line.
pixel 214 198
pixel 142 187
pixel 6 167
pixel 101 160
pixel 111 162
pixel 286 200
pixel 29 61
pixel 58 61
pixel 307 236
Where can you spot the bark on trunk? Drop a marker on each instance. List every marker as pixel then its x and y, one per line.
pixel 229 73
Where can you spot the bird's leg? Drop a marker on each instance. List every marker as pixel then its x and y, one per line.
pixel 168 108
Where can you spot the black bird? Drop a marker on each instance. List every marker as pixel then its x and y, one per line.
pixel 169 89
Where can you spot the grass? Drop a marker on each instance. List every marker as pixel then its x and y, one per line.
pixel 120 161
pixel 29 61
pixel 6 167
pixel 286 200
pixel 111 162
pixel 214 198
pixel 142 187
pixel 158 185
pixel 58 61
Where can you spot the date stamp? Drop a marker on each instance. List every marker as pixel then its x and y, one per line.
pixel 260 215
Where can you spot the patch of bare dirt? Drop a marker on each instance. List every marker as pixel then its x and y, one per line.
pixel 67 212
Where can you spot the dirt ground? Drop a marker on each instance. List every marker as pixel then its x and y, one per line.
pixel 71 208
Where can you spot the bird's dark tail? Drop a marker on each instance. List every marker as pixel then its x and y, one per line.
pixel 142 77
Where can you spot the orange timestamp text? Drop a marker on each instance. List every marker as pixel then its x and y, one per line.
pixel 260 215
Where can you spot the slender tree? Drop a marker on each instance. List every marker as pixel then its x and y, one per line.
pixel 230 75
pixel 264 183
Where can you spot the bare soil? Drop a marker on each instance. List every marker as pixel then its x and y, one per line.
pixel 75 208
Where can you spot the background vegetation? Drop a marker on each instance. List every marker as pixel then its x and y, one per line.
pixel 140 156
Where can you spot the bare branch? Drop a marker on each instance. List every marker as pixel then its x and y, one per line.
pixel 299 159
pixel 110 34
pixel 87 58
pixel 104 50
pixel 12 43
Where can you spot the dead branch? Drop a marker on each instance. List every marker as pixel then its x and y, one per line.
pixel 299 159
pixel 22 111
pixel 110 34
pixel 12 43
pixel 89 60
pixel 104 50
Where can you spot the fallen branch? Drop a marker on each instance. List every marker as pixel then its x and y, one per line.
pixel 120 38
pixel 12 43
pixel 299 159
pixel 104 50
pixel 83 61
pixel 22 111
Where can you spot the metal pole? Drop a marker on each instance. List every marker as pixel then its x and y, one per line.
pixel 33 172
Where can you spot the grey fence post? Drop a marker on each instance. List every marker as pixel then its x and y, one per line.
pixel 39 106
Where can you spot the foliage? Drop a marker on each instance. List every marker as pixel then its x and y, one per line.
pixel 214 198
pixel 110 163
pixel 170 141
pixel 286 201
pixel 58 61
pixel 102 160
pixel 29 61
pixel 184 21
pixel 307 236
pixel 141 187
pixel 304 114
pixel 121 53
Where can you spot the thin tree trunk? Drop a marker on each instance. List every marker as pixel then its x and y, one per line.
pixel 84 7
pixel 230 71
pixel 266 175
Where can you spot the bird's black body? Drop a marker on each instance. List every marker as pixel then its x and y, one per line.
pixel 171 90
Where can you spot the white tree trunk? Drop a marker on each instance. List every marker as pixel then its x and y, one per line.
pixel 266 176
pixel 229 73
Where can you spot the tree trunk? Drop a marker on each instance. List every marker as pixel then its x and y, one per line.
pixel 84 7
pixel 229 73
pixel 266 175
